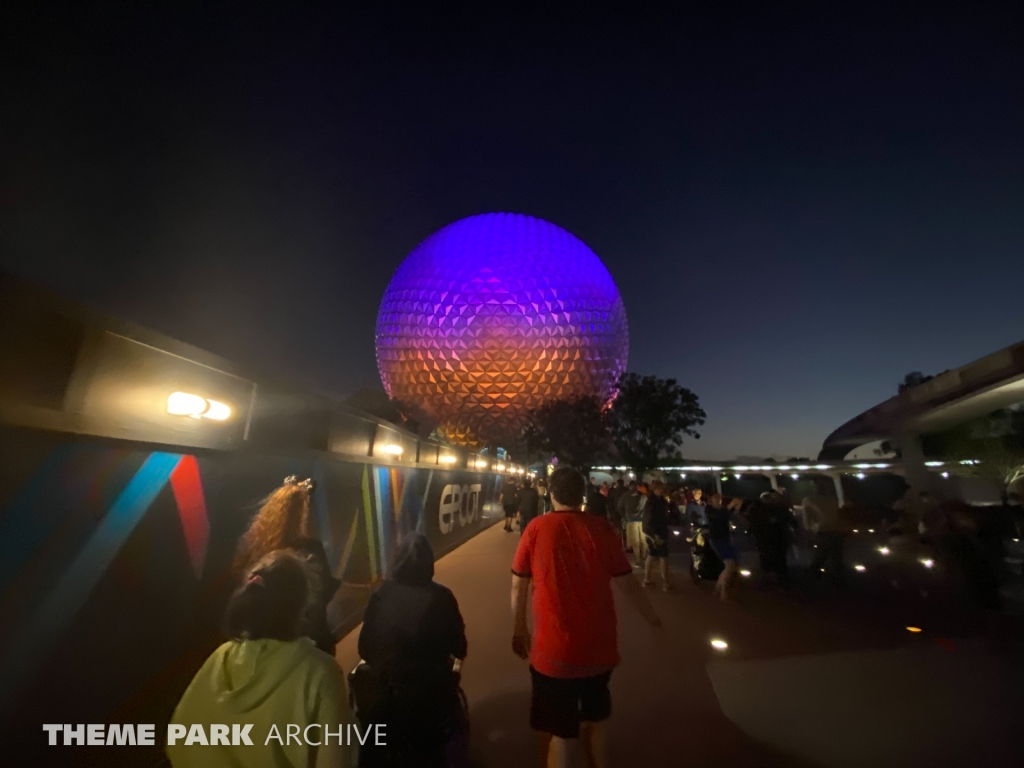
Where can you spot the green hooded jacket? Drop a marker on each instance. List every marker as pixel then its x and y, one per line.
pixel 265 683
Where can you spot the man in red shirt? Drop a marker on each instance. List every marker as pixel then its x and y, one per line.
pixel 571 558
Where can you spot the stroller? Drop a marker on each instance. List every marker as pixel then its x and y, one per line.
pixel 367 690
pixel 705 565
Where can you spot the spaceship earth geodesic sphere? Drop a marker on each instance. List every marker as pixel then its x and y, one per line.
pixel 494 315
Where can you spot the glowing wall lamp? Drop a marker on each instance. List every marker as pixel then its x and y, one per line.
pixel 392 450
pixel 196 407
pixel 448 459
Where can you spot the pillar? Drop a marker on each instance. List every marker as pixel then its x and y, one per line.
pixel 917 474
pixel 774 480
pixel 718 482
pixel 837 480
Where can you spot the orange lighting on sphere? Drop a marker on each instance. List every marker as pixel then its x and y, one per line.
pixel 493 316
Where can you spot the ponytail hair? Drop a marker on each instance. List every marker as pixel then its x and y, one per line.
pixel 273 600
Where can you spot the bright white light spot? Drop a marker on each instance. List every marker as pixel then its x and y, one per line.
pixel 194 406
pixel 718 644
pixel 927 562
pixel 795 477
pixel 871 530
pixel 945 475
pixel 884 550
pixel 392 450
pixel 448 459
pixel 859 568
pixel 500 467
pixel 184 404
pixel 745 574
pixel 216 411
pixel 861 475
pixel 856 530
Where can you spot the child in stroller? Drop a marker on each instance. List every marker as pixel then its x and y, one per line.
pixel 705 565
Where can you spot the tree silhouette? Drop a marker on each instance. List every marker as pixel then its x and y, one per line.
pixel 649 418
pixel 575 431
pixel 913 379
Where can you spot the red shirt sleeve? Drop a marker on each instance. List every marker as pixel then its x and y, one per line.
pixel 522 563
pixel 618 565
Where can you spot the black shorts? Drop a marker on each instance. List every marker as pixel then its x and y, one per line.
pixel 560 704
pixel 510 511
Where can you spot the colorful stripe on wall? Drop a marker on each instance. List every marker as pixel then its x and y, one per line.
pixel 34 641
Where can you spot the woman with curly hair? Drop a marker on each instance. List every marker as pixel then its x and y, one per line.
pixel 283 522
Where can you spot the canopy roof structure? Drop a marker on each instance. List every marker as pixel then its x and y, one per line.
pixel 995 381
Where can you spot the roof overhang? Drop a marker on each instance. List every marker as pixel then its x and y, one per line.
pixel 993 382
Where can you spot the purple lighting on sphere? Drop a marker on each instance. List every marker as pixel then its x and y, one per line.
pixel 494 315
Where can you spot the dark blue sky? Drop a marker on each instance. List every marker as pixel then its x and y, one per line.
pixel 798 208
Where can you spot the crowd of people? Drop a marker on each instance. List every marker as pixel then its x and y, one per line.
pixel 577 538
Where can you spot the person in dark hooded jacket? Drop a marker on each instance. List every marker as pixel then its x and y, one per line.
pixel 412 631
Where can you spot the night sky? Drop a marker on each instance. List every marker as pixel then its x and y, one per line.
pixel 798 209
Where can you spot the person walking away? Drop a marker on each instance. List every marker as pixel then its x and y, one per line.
pixel 655 531
pixel 772 526
pixel 597 502
pixel 720 537
pixel 509 503
pixel 571 559
pixel 284 522
pixel 829 534
pixel 624 508
pixel 268 674
pixel 633 514
pixel 544 502
pixel 528 504
pixel 412 632
pixel 614 494
pixel 676 504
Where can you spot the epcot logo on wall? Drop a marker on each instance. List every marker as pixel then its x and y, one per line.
pixel 494 315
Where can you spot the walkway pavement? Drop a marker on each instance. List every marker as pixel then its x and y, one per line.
pixel 815 681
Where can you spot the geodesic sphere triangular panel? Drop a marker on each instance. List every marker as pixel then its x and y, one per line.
pixel 492 316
